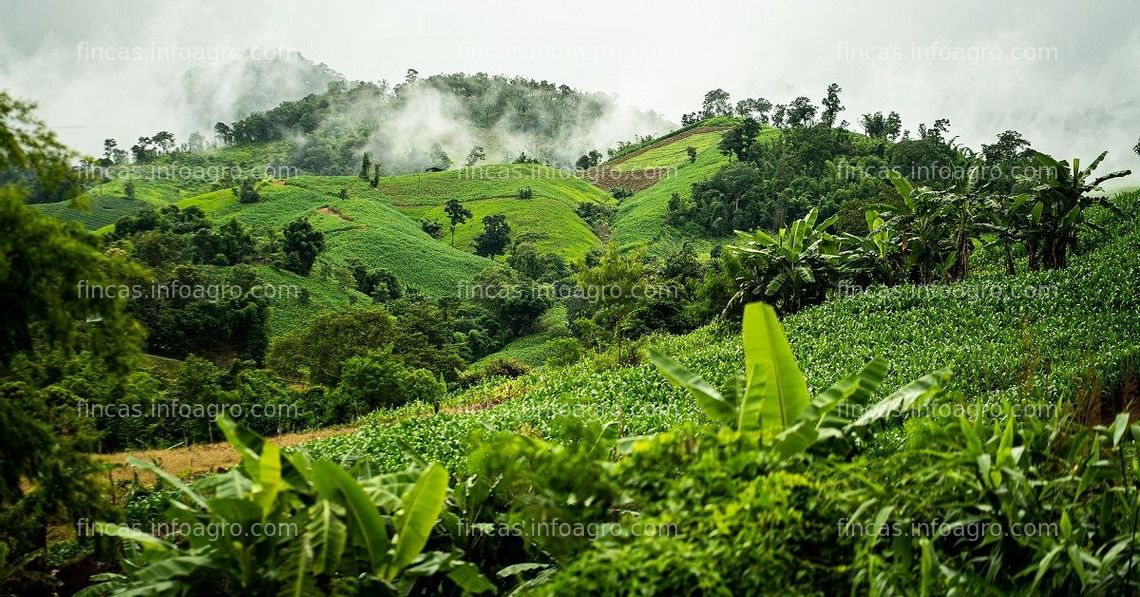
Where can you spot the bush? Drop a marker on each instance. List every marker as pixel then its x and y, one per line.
pixel 505 367
pixel 620 193
pixel 564 352
pixel 525 193
pixel 376 380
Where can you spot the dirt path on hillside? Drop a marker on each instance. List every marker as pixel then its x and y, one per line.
pixel 328 211
pixel 199 459
pixel 605 177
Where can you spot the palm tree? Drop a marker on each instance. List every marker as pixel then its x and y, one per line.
pixel 1058 204
pixel 790 270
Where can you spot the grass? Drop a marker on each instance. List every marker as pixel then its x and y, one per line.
pixel 534 349
pixel 552 223
pixel 289 310
pixel 548 217
pixel 671 155
pixel 641 219
pixel 486 182
pixel 366 228
pixel 100 210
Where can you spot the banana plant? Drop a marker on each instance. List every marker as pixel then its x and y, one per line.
pixel 928 225
pixel 792 269
pixel 1059 203
pixel 774 402
pixel 871 259
pixel 285 525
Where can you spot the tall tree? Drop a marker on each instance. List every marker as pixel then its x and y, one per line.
pixel 716 104
pixel 476 154
pixel 801 112
pixel 831 105
pixel 365 166
pixel 302 245
pixel 45 477
pixel 456 214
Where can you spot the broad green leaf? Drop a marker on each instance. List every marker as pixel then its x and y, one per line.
pixel 235 510
pixel 709 399
pixel 421 507
pixel 903 399
pixel 326 535
pixel 856 387
pixel 146 540
pixel 170 568
pixel 169 478
pixel 269 481
pixel 767 353
pixel 468 578
pixel 748 410
pixel 796 439
pixel 363 513
pixel 1118 428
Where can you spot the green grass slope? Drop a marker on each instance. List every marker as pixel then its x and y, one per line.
pixel 548 217
pixel 97 213
pixel 362 226
pixel 552 223
pixel 534 349
pixel 1033 337
pixel 641 219
pixel 170 179
pixel 487 182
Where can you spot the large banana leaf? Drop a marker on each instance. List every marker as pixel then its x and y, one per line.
pixel 421 507
pixel 768 359
pixel 709 399
pixel 334 481
pixel 325 535
pixel 909 396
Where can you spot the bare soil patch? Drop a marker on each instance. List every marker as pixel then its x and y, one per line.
pixel 328 211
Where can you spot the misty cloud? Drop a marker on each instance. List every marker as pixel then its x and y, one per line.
pixel 655 55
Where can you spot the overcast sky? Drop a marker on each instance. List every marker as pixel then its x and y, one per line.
pixel 1065 74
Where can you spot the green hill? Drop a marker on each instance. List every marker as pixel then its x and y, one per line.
pixel 170 179
pixel 548 217
pixel 97 213
pixel 362 226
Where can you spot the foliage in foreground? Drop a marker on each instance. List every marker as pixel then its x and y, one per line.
pixel 286 525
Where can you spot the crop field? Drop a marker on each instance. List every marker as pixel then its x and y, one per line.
pixel 98 212
pixel 1033 338
pixel 551 223
pixel 485 182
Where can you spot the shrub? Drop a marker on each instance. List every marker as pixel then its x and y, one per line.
pixel 376 380
pixel 525 193
pixel 564 352
pixel 287 524
pixel 505 367
pixel 620 193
